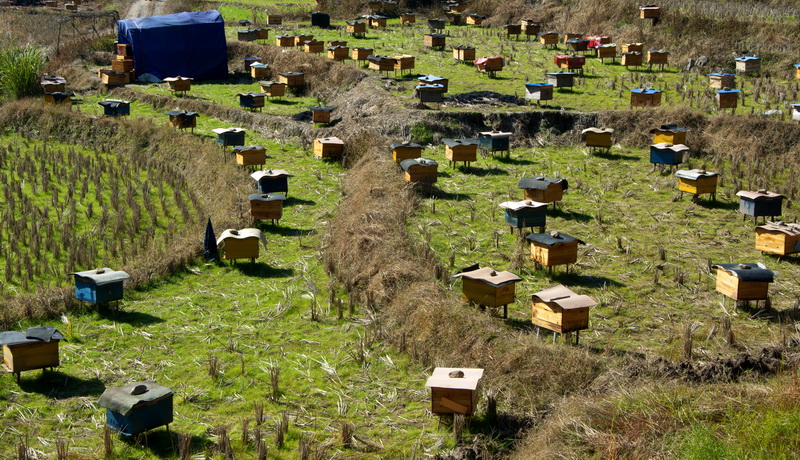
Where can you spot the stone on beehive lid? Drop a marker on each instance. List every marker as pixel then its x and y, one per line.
pixel 554 248
pixel 36 348
pixel 561 310
pixel 543 189
pixel 241 244
pixel 272 180
pixel 779 238
pixel 137 407
pixel 454 390
pixel 744 281
pixel 100 285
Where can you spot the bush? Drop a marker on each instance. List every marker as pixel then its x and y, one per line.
pixel 19 72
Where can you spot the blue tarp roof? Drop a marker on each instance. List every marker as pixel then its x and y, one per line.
pixel 186 44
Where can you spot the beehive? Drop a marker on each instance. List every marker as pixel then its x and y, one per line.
pixel 251 101
pixel 337 43
pixel 598 40
pixel 376 21
pixel 434 41
pixel 71 7
pixel 487 287
pixel 539 91
pixel 122 65
pixel 667 154
pixel 314 46
pixel 381 63
pixel 761 203
pixel 58 99
pixel 490 65
pixel 113 78
pixel 321 113
pixel 434 80
pixel 530 26
pixel 721 80
pixel 420 170
pixel 299 39
pixel 436 24
pixel 405 151
pixel 495 141
pixel 561 310
pixel 338 53
pixel 262 33
pixel 569 35
pixel 669 133
pixel 543 189
pixel 253 155
pixel 137 407
pixel 229 137
pixel 454 390
pixel 778 238
pixel 247 35
pixel 747 64
pixel 633 48
pixel 356 28
pixel 649 12
pixel 464 53
pixel 578 44
pixel 461 150
pixel 658 57
pixel 272 181
pixel 598 138
pixel 259 70
pixel 561 79
pixel 606 51
pixel 115 107
pixel 404 63
pixel 328 147
pixel 797 71
pixel 274 19
pixel 285 41
pixel 241 244
pixel 632 59
pixel 697 182
pixel 292 79
pixel 513 30
pixel 52 84
pixel 553 249
pixel 273 88
pixel 36 348
pixel 744 281
pixel 182 119
pixel 360 54
pixel 99 286
pixel 178 84
pixel 407 19
pixel 570 62
pixel 266 206
pixel 645 97
pixel 525 214
pixel 548 38
pixel 474 19
pixel 430 93
pixel 728 98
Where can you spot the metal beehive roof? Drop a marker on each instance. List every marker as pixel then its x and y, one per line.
pixel 456 142
pixel 441 378
pixel 242 234
pixel 123 400
pixel 759 195
pixel 266 197
pixel 694 174
pixel 489 276
pixel 667 146
pixel 541 183
pixel 412 145
pixel 517 205
pixel 102 276
pixel 748 272
pixel 564 298
pixel 270 173
pixel 551 238
pixel 31 335
pixel 405 164
pixel 227 130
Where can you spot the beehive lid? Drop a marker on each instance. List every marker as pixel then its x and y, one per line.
pixel 292 74
pixel 259 65
pixel 31 335
pixel 541 183
pixel 103 276
pixel 551 238
pixel 539 85
pixel 671 128
pixel 759 195
pixel 405 164
pixel 667 146
pixel 476 16
pixel 547 33
pixel 430 79
pixel 559 73
pixel 330 140
pixel 489 276
pixel 441 378
pixel 242 234
pixel 749 272
pixel 456 142
pixel 721 74
pixel 464 47
pixel 598 130
pixel 430 87
pixel 321 108
pixel 484 60
pixel 659 52
pixel 645 91
pixel 270 83
pixel 747 58
pixel 227 130
pixel 114 103
pixel 126 397
pixel 178 78
pixel 495 134
pixel 436 35
pixel 114 72
pixel 378 58
pixel 266 197
pixel 564 298
pixel 284 36
pixel 728 91
pixel 412 145
pixel 577 40
pixel 312 42
pixel 648 7
pixel 337 47
pixel 354 23
pixel 175 113
pixel 252 94
pixel 242 148
pixel 791 229
pixel 270 173
pixel 694 174
pixel 517 205
pixel 52 80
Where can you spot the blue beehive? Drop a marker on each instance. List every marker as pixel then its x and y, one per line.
pixel 99 286
pixel 494 141
pixel 137 407
pixel 230 137
pixel 115 107
pixel 527 213
pixel 272 181
pixel 667 154
pixel 760 204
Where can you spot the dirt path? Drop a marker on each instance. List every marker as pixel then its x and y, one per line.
pixel 144 8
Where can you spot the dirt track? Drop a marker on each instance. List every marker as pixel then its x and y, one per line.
pixel 144 8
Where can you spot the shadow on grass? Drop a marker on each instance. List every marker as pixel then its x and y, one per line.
pixel 514 161
pixel 521 325
pixel 278 229
pixel 262 270
pixel 615 156
pixel 58 385
pixel 294 201
pixel 134 318
pixel 163 443
pixel 576 279
pixel 570 215
pixel 504 429
pixel 442 195
pixel 283 102
pixel 716 204
pixel 483 172
pixel 791 259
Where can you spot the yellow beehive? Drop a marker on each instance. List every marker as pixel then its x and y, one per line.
pixel 554 248
pixel 778 238
pixel 697 182
pixel 301 38
pixel 543 189
pixel 241 244
pixel 405 151
pixel 487 287
pixel 314 46
pixel 251 156
pixel 265 206
pixel 328 147
pixel 561 310
pixel 744 281
pixel 420 170
pixel 633 48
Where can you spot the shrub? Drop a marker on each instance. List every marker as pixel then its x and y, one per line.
pixel 19 71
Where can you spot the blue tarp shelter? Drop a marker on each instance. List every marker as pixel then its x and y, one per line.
pixel 186 44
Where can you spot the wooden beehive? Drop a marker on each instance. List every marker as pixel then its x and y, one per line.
pixel 360 54
pixel 796 71
pixel 338 53
pixel 337 43
pixel 434 41
pixel 229 137
pixel 728 98
pixel 430 92
pixel 259 70
pixel 178 84
pixel 561 79
pixel 464 53
pixel 561 310
pixel 266 206
pixel 598 40
pixel 607 51
pixel 328 147
pixel 113 78
pixel 489 65
pixel 262 33
pixel 658 57
pixel 578 44
pixel 299 39
pixel 761 203
pixel 284 41
pixel 272 181
pixel 669 133
pixel 99 286
pixel 247 35
pixel 376 21
pixel 36 348
pixel 461 150
pixel 543 189
pixel 569 35
pixel 253 155
pixel 645 97
pixel 124 49
pixel 525 214
pixel 513 30
pixel 250 61
pixel 321 113
pixel 744 281
pixel 381 63
pixel 273 88
pixel 721 80
pixel 181 119
pixel 778 238
pixel 599 138
pixel 241 244
pixel 122 65
pixel 405 151
pixel 632 59
pixel 137 407
pixel 420 170
pixel 51 3
pixel 697 182
pixel 251 101
pixel 495 141
pixel 52 84
pixel 404 62
pixel 434 80
pixel 407 19
pixel 487 287
pixel 71 7
pixel 530 26
pixel 454 390
pixel 115 107
pixel 571 62
pixel 667 154
pixel 553 249
pixel 58 99
pixel 633 48
pixel 314 46
pixel 475 19
pixel 649 12
pixel 356 28
pixel 274 19
pixel 747 64
pixel 548 38
pixel 292 79
pixel 436 24
pixel 539 91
